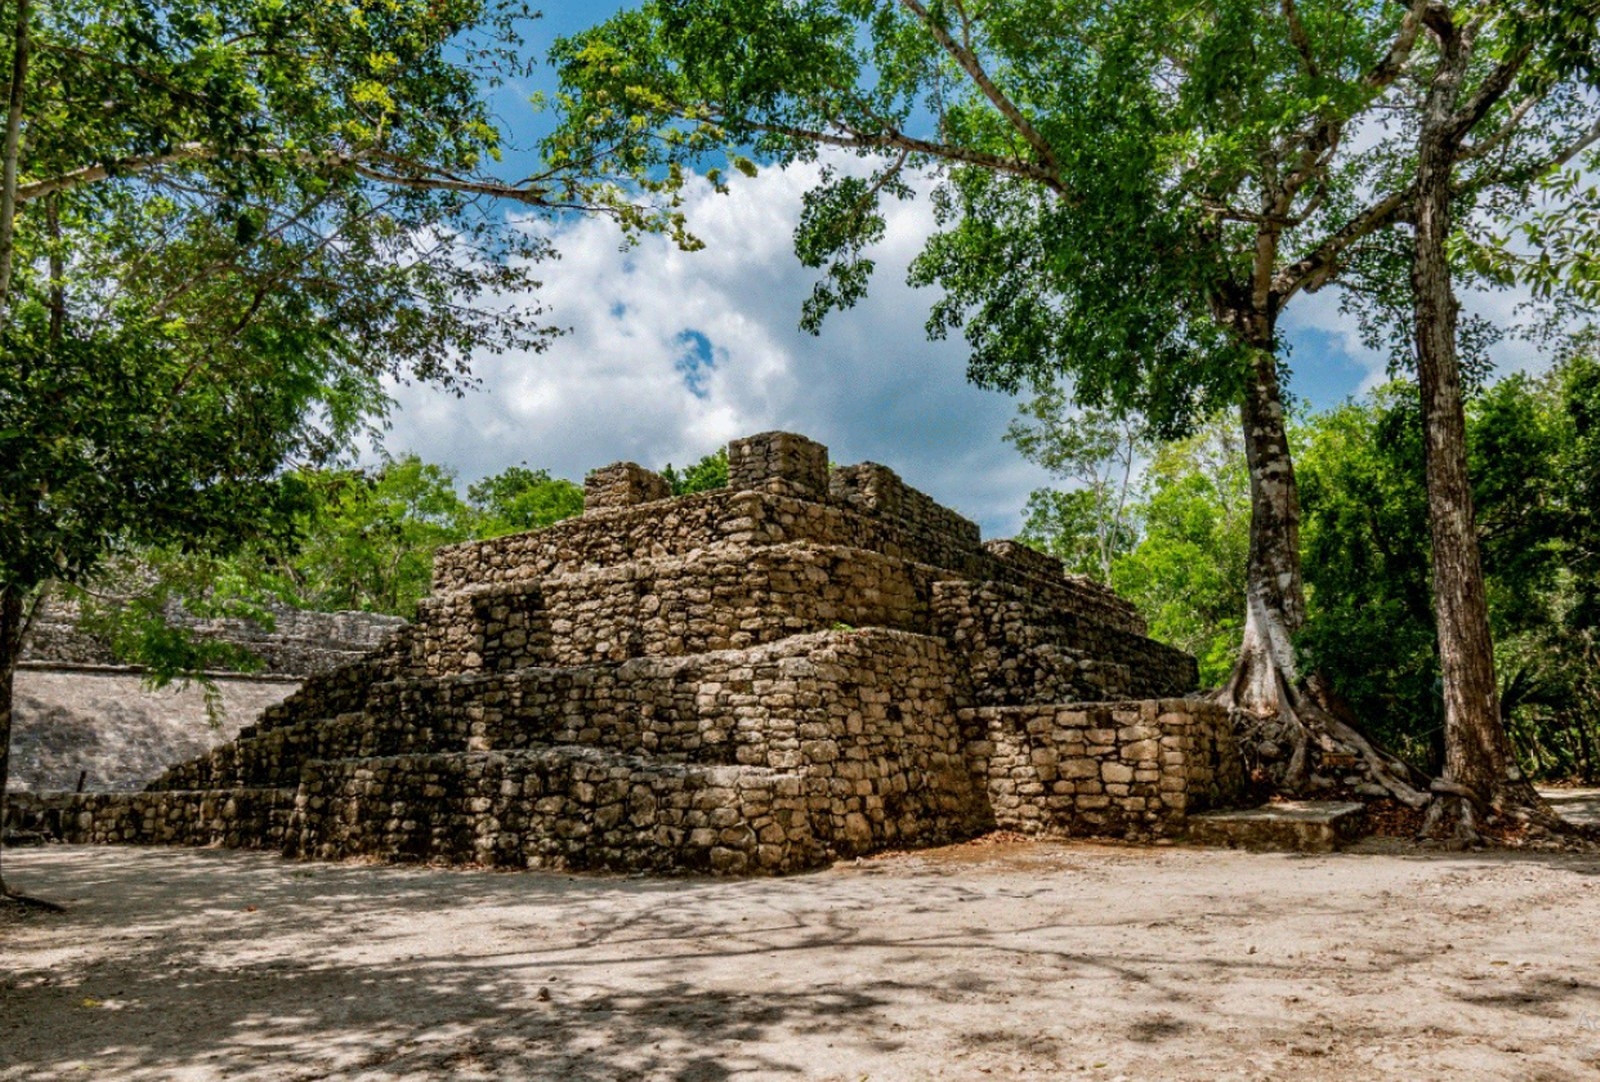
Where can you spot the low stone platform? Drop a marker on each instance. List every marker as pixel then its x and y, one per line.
pixel 1303 826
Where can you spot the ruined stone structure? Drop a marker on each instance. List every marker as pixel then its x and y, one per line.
pixel 807 665
pixel 80 714
pixel 298 644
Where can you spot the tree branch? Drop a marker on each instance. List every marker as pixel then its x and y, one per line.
pixel 1480 149
pixel 1315 269
pixel 1298 37
pixel 898 140
pixel 1388 69
pixel 969 63
pixel 1489 92
pixel 400 172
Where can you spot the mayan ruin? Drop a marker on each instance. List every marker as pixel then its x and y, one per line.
pixel 810 664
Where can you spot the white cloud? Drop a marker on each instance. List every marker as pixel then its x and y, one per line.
pixel 870 387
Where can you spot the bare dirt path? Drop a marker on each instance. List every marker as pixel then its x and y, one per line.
pixel 980 961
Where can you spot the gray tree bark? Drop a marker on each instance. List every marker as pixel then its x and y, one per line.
pixel 1480 772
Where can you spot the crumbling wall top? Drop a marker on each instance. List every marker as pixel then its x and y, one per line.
pixel 1031 560
pixel 871 489
pixel 780 462
pixel 623 484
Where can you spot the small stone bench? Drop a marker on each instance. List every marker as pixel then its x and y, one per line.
pixel 1308 826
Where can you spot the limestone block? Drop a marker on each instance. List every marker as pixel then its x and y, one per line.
pixel 1116 772
pixel 779 461
pixel 623 484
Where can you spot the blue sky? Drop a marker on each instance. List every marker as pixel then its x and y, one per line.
pixel 669 354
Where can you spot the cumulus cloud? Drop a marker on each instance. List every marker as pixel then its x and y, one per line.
pixel 671 354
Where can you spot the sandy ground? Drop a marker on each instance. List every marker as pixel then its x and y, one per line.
pixel 1032 960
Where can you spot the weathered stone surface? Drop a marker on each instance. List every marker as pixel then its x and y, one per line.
pixel 779 462
pixel 1311 826
pixel 756 680
pixel 623 484
pixel 298 643
pixel 79 712
pixel 1108 795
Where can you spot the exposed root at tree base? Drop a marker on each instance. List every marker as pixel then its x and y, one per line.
pixel 1306 749
pixel 1516 818
pixel 1303 749
pixel 10 899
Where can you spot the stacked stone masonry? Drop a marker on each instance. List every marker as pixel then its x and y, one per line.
pixel 298 643
pixel 807 665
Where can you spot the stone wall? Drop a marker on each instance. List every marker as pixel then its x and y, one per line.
pixel 78 713
pixel 875 768
pixel 238 818
pixel 1020 649
pixel 779 462
pixel 298 643
pixel 622 484
pixel 1132 769
pixel 865 773
pixel 570 808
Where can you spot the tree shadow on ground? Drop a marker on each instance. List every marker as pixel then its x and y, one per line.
pixel 247 966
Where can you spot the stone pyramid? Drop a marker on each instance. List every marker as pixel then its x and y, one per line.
pixel 807 665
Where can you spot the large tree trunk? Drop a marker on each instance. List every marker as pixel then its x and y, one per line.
pixel 1480 773
pixel 1284 729
pixel 11 627
pixel 1276 607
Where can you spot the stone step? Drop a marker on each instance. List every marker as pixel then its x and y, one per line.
pixel 556 807
pixel 773 705
pixel 1302 826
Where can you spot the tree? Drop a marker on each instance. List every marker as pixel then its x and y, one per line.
pixel 1187 571
pixel 1089 526
pixel 1372 622
pixel 1505 77
pixel 519 498
pixel 369 543
pixel 1370 625
pixel 710 472
pixel 221 228
pixel 1130 193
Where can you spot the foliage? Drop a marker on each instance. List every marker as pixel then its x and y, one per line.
pixel 233 222
pixel 369 543
pixel 710 472
pixel 1181 559
pixel 1105 172
pixel 359 539
pixel 1089 525
pixel 1370 628
pixel 1535 456
pixel 1068 524
pixel 1371 625
pixel 519 498
pixel 1187 573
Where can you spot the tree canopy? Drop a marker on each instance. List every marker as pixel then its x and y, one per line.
pixel 223 225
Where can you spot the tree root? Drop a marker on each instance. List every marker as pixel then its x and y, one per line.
pixel 1452 818
pixel 23 901
pixel 1514 814
pixel 1308 726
